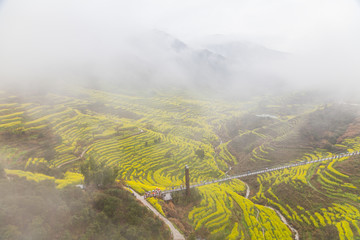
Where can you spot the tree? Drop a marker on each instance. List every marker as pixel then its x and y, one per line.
pixel 98 174
pixel 168 154
pixel 200 153
pixel 2 171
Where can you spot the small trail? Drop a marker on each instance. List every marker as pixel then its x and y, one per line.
pixel 282 218
pixel 247 191
pixel 73 160
pixel 174 232
pixel 135 134
pixel 226 174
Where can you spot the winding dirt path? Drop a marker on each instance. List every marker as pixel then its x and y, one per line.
pixel 282 218
pixel 247 191
pixel 175 233
pixel 81 156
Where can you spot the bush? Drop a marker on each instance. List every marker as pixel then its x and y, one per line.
pixel 200 153
pixel 2 171
pixel 30 210
pixel 98 175
pixel 180 198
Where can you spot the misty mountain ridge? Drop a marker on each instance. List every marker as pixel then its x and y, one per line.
pixel 246 51
pixel 160 59
pixel 156 59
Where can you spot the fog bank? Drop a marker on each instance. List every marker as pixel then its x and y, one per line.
pixel 234 45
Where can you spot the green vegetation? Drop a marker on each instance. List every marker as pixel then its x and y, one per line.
pixel 322 197
pixel 30 210
pixel 180 198
pixel 94 138
pixel 98 175
pixel 2 171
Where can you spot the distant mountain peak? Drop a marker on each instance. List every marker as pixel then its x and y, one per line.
pixel 172 41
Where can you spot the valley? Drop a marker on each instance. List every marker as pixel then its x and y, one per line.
pixel 149 138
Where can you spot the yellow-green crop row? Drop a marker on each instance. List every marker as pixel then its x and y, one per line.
pixel 218 205
pixel 234 232
pixel 70 178
pixel 155 203
pixel 37 177
pixel 261 222
pixel 34 162
pixel 331 180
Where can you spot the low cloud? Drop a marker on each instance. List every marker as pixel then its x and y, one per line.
pixel 302 44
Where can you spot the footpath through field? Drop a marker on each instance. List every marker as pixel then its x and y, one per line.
pixel 175 233
pixel 348 154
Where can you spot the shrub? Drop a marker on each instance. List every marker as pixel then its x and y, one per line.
pixel 2 171
pixel 98 174
pixel 180 198
pixel 200 153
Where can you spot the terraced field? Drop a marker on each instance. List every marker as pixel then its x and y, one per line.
pixel 322 196
pixel 151 138
pixel 227 214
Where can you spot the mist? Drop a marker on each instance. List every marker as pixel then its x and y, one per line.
pixel 250 47
pixel 222 87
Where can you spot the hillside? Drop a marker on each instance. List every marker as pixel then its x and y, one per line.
pixel 150 137
pixel 37 210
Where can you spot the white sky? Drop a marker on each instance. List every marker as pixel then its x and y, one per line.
pixel 321 30
pixel 283 24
